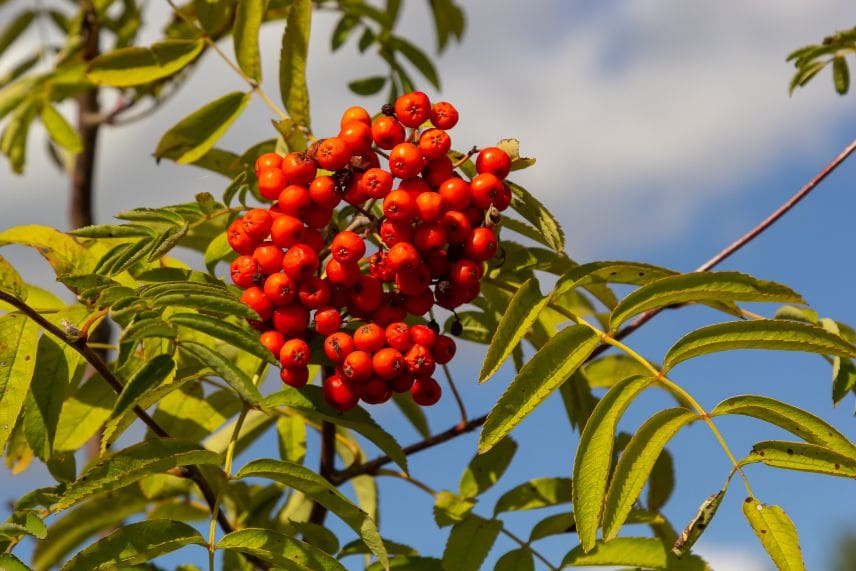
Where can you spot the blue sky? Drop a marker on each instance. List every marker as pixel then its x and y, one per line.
pixel 663 130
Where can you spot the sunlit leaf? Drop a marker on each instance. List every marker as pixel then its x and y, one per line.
pixel 776 532
pixel 292 62
pixel 484 470
pixel 793 419
pixel 450 508
pixel 647 552
pixel 225 369
pixel 635 465
pixel 523 309
pixel 18 347
pixel 10 281
pixel 279 549
pixel 60 130
pixel 134 543
pixel 320 490
pixel 138 65
pixel 469 543
pixel 537 214
pixel 516 560
pixel 700 287
pixel 83 413
pixel 193 136
pixel 762 334
pixel 548 368
pixel 594 456
pixel 224 331
pixel 803 457
pixel 534 494
pixel 245 32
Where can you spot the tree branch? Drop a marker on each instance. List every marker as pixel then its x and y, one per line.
pixel 327 467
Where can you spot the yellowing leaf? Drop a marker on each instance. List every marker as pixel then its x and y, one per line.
pixel 137 65
pixel 777 534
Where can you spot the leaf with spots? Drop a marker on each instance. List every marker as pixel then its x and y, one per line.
pixel 777 534
pixel 803 457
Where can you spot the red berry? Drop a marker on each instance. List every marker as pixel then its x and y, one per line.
pixel 366 295
pixel 481 244
pixel 342 274
pixel 405 160
pixel 294 200
pixel 457 226
pixel 267 161
pixel 357 136
pixel 337 346
pixel 392 232
pixel 425 391
pixel 295 353
pixel 493 160
pixel 291 320
pixel 387 132
pixel 257 223
pixel 245 271
pixel 369 337
pixel 429 236
pixel 403 257
pixel 273 340
pixel 322 191
pixel 444 115
pixel 374 391
pixel 388 363
pixel 355 113
pixel 286 231
pixel 271 182
pixel 314 292
pixel 269 257
pixel 357 367
pixel 298 168
pixel 420 304
pixel 339 393
pixel 347 247
pixel 294 376
pixel 423 335
pixel 333 154
pixel 280 288
pixel 444 349
pixel 419 361
pixel 256 300
pixel 434 143
pixel 376 183
pixel 486 189
pixel 327 320
pixel 300 262
pixel 456 193
pixel 240 241
pixel 412 109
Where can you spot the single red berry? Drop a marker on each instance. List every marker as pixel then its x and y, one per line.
pixel 443 115
pixel 438 262
pixel 419 361
pixel 420 304
pixel 239 240
pixel 402 383
pixel 369 337
pixel 429 236
pixel 317 216
pixel 280 288
pixel 415 281
pixel 245 271
pixel 493 160
pixel 403 257
pixel 387 132
pixel 392 232
pixel 300 262
pixel 399 206
pixel 322 191
pixel 271 182
pixel 357 367
pixel 366 294
pixel 444 349
pixel 339 393
pixel 376 183
pixel 379 267
pixel 437 171
pixel 314 239
pixel 267 161
pixel 486 189
pixel 423 335
pixel 388 363
pixel 481 244
pixel 286 231
pixel 456 193
pixel 425 391
pixel 254 297
pixel 392 309
pixel 457 226
pixel 434 143
pixel 295 353
pixel 405 160
pixel 273 340
pixel 291 320
pixel 269 257
pixel 337 346
pixel 449 295
pixel 414 185
pixel 333 154
pixel 398 336
pixel 355 113
pixel 314 292
pixel 298 168
pixel 294 200
pixel 429 206
pixel 347 247
pixel 257 223
pixel 465 272
pixel 357 136
pixel 327 320
pixel 374 391
pixel 294 376
pixel 412 109
pixel 342 274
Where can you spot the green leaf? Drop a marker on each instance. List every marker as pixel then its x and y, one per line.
pixel 485 469
pixel 343 30
pixel 516 560
pixel 13 30
pixel 469 543
pixel 534 494
pixel 698 524
pixel 367 85
pixel 793 419
pixel 223 303
pixel 523 309
pixel 150 375
pixel 451 508
pixel 413 412
pixel 537 214
pixel 320 490
pixel 843 378
pixel 309 401
pixel 83 414
pixel 193 414
pixel 840 75
pixel 292 62
pixel 166 241
pixel 138 65
pixel 291 438
pixel 193 136
pixel 156 215
pixel 761 334
pixel 635 465
pixel 776 532
pixel 662 482
pixel 122 256
pixel 13 141
pixel 647 552
pixel 60 130
pixel 146 328
pixel 114 231
pixel 700 287
pixel 245 32
pixel 133 544
pixel 151 456
pixel 608 370
pixel 594 456
pixel 10 280
pixel 615 272
pixel 279 549
pixel 9 562
pixel 551 366
pixel 225 369
pixel 58 370
pixel 418 58
pixel 802 457
pixel 224 331
pixel 409 563
pixel 218 249
pixel 19 338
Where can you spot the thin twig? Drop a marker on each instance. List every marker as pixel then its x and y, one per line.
pixel 326 468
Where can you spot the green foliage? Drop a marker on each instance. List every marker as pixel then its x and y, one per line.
pixel 776 532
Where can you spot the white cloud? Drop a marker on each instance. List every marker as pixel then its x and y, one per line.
pixel 723 557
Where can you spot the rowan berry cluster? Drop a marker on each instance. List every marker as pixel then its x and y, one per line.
pixel 308 280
